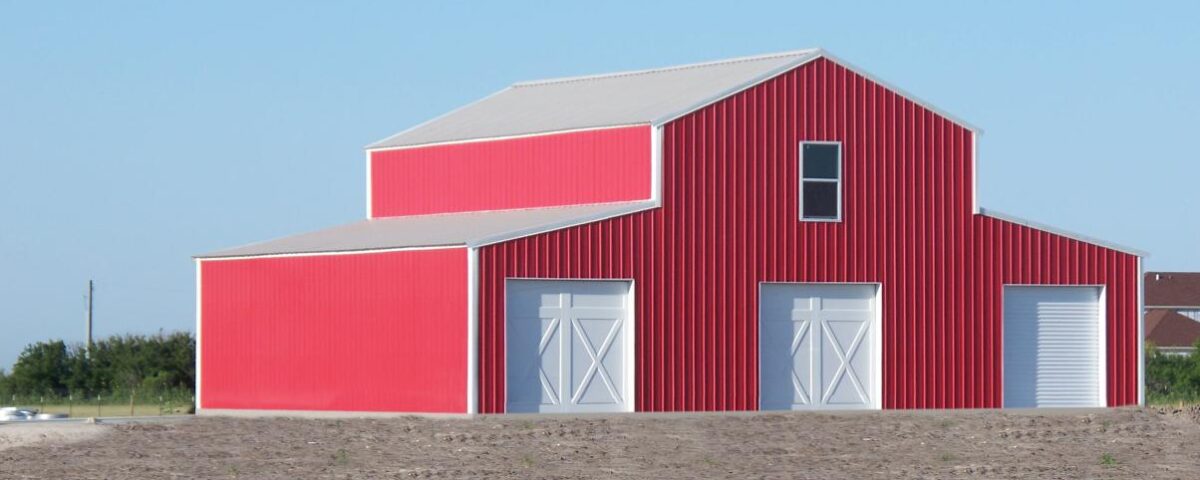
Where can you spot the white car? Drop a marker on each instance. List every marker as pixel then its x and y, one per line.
pixel 15 414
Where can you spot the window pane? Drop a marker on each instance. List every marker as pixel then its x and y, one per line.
pixel 820 160
pixel 820 200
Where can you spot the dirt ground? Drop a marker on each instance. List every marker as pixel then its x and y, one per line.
pixel 1121 443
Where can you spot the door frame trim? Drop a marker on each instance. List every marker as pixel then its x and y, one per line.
pixel 629 345
pixel 1101 337
pixel 876 344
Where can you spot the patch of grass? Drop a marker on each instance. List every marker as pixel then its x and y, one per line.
pixel 527 460
pixel 341 457
pixel 947 457
pixel 1108 460
pixel 81 410
pixel 233 471
pixel 946 423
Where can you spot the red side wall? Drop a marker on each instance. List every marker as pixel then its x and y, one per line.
pixel 592 166
pixel 729 221
pixel 362 332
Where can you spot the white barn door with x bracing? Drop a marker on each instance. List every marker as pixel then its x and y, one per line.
pixel 568 346
pixel 817 346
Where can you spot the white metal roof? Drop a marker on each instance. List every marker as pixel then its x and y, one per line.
pixel 445 229
pixel 625 98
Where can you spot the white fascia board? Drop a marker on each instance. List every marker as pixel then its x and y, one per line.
pixel 376 144
pixel 504 137
pixel 515 234
pixel 668 118
pixel 330 253
pixel 1058 231
pixel 904 93
pixel 813 55
pixel 663 69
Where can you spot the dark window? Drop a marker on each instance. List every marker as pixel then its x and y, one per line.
pixel 820 181
pixel 821 160
pixel 820 200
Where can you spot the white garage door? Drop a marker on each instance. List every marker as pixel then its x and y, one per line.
pixel 1052 353
pixel 818 347
pixel 568 346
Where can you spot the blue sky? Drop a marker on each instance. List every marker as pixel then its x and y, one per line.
pixel 134 135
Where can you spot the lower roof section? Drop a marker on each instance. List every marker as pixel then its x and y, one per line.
pixel 468 229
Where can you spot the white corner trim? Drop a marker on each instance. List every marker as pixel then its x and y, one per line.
pixel 472 331
pixel 656 163
pixel 370 192
pixel 975 173
pixel 198 322
pixel 1141 335
pixel 987 212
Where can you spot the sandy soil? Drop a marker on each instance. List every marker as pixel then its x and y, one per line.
pixel 14 435
pixel 1124 443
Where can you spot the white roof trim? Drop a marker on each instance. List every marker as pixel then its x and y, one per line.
pixel 811 55
pixel 502 137
pixel 904 93
pixel 750 58
pixel 323 253
pixel 987 212
pixel 815 54
pixel 515 234
pixel 374 145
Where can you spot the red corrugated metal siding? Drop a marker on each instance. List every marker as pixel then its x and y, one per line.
pixel 361 332
pixel 729 221
pixel 591 166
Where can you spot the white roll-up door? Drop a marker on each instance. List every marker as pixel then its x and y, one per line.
pixel 568 346
pixel 1052 347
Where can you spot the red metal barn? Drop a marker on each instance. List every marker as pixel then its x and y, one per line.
pixel 773 232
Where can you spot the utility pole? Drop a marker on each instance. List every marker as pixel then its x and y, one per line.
pixel 88 314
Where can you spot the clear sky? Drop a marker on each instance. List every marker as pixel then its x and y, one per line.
pixel 134 135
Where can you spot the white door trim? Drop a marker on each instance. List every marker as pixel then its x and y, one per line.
pixel 1101 335
pixel 630 343
pixel 876 344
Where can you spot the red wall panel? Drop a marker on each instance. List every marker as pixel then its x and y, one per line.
pixel 361 332
pixel 591 166
pixel 729 221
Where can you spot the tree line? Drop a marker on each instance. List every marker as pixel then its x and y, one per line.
pixel 1172 378
pixel 121 365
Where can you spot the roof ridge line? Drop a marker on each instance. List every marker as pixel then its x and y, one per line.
pixel 670 68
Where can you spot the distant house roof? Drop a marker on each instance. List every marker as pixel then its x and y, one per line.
pixel 1165 328
pixel 436 230
pixel 1172 289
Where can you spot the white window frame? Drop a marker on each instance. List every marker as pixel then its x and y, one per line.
pixel 802 180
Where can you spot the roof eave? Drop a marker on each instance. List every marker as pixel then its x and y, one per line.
pixel 1065 233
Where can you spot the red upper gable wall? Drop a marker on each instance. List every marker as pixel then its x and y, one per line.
pixel 572 168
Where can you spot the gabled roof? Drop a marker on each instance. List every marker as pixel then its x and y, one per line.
pixel 650 97
pixel 625 98
pixel 468 229
pixel 1166 328
pixel 1172 289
